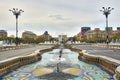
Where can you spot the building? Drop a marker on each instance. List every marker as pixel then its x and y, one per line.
pixel 12 36
pixel 84 31
pixel 46 36
pixel 115 35
pixel 81 36
pixel 78 37
pixel 108 28
pixel 29 35
pixel 62 38
pixel 96 35
pixel 118 28
pixel 3 34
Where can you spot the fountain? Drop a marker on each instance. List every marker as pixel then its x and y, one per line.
pixel 63 64
pixel 58 67
pixel 59 61
pixel 60 54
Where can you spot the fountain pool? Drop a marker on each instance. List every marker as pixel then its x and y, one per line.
pixel 70 68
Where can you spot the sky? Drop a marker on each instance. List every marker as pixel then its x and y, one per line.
pixel 57 16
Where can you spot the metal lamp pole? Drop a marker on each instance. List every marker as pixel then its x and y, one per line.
pixel 106 12
pixel 16 12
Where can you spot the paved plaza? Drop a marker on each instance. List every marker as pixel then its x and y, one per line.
pixel 100 51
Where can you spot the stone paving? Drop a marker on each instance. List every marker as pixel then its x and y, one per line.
pixel 100 51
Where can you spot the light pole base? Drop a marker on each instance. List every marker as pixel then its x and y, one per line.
pixel 107 45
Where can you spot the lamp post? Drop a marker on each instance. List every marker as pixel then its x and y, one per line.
pixel 106 12
pixel 16 12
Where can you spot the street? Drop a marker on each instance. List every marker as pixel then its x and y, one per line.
pixel 21 52
pixel 100 51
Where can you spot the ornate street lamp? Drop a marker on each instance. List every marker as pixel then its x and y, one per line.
pixel 106 12
pixel 16 12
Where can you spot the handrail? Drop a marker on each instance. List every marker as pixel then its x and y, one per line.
pixel 110 46
pixel 5 48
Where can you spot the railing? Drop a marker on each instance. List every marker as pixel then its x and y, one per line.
pixel 110 46
pixel 5 48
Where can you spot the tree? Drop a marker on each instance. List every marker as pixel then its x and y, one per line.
pixel 28 40
pixel 40 39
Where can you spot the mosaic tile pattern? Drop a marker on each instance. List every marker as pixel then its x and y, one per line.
pixel 89 71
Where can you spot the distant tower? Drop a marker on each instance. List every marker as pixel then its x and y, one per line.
pixel 84 30
pixel 108 28
pixel 46 32
pixel 118 28
pixel 3 34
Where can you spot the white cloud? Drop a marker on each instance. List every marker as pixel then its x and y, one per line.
pixel 58 17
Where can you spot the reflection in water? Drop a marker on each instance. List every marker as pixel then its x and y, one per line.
pixel 46 68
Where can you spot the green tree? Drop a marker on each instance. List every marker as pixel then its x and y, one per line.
pixel 40 39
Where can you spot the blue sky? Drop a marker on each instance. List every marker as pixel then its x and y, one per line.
pixel 57 16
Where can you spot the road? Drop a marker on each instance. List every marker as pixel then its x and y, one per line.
pixel 100 51
pixel 21 52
